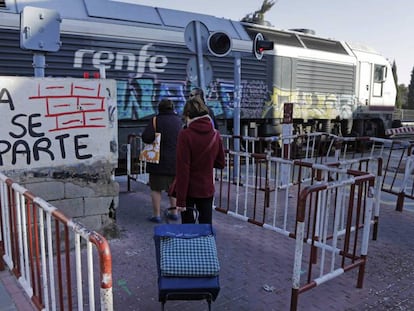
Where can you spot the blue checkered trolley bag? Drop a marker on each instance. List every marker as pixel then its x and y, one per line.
pixel 187 263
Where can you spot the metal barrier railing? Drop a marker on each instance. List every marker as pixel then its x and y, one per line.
pixel 374 166
pixel 136 168
pixel 316 146
pixel 334 249
pixel 55 259
pixel 265 185
pixel 397 176
pixel 407 186
pixel 269 192
pixel 313 147
pixel 396 159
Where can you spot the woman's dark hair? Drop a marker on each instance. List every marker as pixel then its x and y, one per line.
pixel 197 91
pixel 165 104
pixel 195 107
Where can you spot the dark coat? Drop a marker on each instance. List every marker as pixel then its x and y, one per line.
pixel 196 158
pixel 168 124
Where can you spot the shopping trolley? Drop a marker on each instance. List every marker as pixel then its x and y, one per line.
pixel 187 262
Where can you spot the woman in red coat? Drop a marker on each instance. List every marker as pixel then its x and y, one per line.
pixel 199 150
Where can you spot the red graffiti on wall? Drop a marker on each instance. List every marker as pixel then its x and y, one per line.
pixel 73 106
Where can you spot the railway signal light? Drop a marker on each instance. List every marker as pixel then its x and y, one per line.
pixel 219 44
pixel 260 45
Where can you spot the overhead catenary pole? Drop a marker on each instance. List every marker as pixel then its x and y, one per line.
pixel 200 61
pixel 236 113
pixel 39 64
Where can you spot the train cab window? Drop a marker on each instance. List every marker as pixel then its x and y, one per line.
pixel 380 74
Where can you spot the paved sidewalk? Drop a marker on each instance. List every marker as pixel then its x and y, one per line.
pixel 12 296
pixel 254 259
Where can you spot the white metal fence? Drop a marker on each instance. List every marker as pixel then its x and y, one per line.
pixel 60 264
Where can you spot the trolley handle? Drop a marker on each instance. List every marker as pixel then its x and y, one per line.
pixel 195 211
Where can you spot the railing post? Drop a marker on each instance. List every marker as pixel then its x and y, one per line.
pixel 1 253
pixel 400 201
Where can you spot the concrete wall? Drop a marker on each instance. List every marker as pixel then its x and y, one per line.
pixel 59 140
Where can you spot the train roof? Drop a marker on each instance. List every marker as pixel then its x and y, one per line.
pixel 123 13
pixel 128 13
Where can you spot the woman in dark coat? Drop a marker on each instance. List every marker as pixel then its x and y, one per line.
pixel 199 151
pixel 161 175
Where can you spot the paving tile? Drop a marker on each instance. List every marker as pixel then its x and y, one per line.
pixel 12 295
pixel 6 301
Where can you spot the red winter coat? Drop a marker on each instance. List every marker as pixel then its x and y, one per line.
pixel 196 158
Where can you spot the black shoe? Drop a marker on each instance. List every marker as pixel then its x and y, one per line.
pixel 171 216
pixel 156 219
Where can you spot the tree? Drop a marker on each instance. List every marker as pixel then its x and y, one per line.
pixel 394 72
pixel 398 101
pixel 410 95
pixel 402 92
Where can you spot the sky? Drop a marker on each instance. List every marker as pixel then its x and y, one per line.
pixel 385 25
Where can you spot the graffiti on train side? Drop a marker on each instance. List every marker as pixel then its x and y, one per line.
pixel 138 97
pixel 310 105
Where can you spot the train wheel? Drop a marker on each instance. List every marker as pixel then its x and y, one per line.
pixel 346 127
pixel 357 128
pixel 326 126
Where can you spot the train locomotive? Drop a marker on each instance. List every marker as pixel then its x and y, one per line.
pixel 335 86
